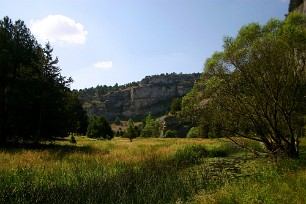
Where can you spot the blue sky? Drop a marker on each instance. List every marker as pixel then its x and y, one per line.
pixel 103 42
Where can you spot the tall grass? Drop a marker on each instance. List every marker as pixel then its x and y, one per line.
pixel 144 171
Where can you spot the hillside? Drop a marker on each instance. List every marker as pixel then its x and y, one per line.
pixel 152 94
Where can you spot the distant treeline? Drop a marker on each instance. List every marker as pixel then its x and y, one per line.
pixel 89 94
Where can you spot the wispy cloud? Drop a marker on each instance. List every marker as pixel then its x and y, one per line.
pixel 59 28
pixel 103 64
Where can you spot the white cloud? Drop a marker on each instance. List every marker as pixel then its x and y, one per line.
pixel 59 28
pixel 103 64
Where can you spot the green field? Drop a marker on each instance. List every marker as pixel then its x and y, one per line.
pixel 148 171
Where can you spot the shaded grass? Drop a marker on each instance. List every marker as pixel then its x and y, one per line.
pixel 269 185
pixel 260 180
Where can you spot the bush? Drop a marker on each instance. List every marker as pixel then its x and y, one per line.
pixel 193 132
pixel 170 134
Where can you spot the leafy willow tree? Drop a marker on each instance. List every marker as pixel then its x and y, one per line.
pixel 257 85
pixel 36 103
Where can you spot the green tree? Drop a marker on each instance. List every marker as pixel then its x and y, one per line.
pixel 36 103
pixel 171 134
pixel 130 132
pixel 78 117
pixel 152 127
pixel 260 93
pixel 193 133
pixel 99 128
pixel 118 121
pixel 17 50
pixel 176 105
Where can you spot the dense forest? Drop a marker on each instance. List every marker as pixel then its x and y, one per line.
pixel 36 103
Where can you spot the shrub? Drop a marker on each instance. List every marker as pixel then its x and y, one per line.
pixel 193 132
pixel 170 134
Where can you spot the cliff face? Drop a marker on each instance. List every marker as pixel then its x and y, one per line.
pixel 297 5
pixel 152 94
pixel 302 7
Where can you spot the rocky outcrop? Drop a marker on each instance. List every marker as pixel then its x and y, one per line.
pixel 297 5
pixel 153 94
pixel 170 122
pixel 302 7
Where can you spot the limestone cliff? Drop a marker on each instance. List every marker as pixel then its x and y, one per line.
pixel 152 94
pixel 297 5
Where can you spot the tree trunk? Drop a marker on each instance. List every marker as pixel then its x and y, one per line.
pixel 3 119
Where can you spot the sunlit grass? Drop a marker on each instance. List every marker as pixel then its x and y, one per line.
pixel 147 170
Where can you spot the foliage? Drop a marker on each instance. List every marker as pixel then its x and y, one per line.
pixel 175 105
pixel 256 87
pixel 193 132
pixel 190 155
pixel 118 121
pixel 152 127
pixel 90 94
pixel 99 128
pixel 131 131
pixel 36 103
pixel 78 116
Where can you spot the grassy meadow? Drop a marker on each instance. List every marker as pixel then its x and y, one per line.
pixel 148 170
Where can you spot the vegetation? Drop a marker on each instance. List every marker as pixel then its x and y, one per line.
pixel 131 131
pixel 152 128
pixel 147 171
pixel 176 105
pixel 256 87
pixel 91 94
pixel 252 93
pixel 193 132
pixel 36 103
pixel 171 134
pixel 99 128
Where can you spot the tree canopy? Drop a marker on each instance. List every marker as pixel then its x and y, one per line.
pixel 36 102
pixel 99 128
pixel 256 87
